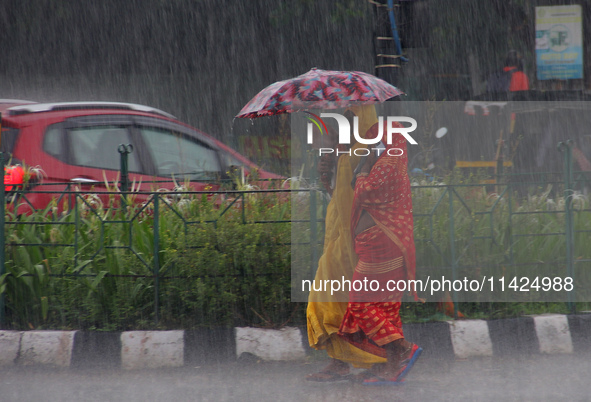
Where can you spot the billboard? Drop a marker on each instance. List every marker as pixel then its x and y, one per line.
pixel 559 42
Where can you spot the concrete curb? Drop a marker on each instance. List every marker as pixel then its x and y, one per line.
pixel 546 334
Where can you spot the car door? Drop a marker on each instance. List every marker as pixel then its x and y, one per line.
pixel 84 154
pixel 86 149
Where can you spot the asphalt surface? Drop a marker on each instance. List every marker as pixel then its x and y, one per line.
pixel 524 378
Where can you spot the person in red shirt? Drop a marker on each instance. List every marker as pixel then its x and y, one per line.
pixel 514 63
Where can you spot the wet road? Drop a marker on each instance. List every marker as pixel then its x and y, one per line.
pixel 539 378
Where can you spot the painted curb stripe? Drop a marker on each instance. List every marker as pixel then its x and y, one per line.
pixel 46 348
pixel 152 349
pixel 270 344
pixel 434 338
pixel 205 346
pixel 96 350
pixel 580 332
pixel 552 333
pixel 470 338
pixel 513 336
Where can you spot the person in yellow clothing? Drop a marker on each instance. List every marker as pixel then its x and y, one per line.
pixel 325 312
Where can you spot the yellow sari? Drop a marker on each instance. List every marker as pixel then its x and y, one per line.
pixel 338 260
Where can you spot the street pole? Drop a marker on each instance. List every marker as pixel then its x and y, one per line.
pixel 566 147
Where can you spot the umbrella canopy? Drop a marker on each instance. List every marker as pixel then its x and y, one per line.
pixel 325 88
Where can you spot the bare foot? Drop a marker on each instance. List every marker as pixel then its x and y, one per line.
pixel 396 353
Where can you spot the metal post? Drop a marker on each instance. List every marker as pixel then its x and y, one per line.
pixel 124 151
pixel 76 228
pixel 566 147
pixel 452 247
pixel 156 261
pixel 243 199
pixel 2 235
pixel 500 172
pixel 510 217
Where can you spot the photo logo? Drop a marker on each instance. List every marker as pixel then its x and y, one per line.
pixel 344 132
pixel 318 122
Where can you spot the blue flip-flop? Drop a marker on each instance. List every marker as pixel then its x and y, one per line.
pixel 414 355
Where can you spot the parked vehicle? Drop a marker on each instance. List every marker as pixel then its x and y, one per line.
pixel 78 144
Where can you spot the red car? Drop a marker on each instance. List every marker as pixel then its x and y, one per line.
pixel 77 144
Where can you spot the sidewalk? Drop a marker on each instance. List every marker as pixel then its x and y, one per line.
pixel 542 334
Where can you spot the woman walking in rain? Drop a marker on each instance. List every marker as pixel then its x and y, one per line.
pixel 330 89
pixel 382 228
pixel 325 312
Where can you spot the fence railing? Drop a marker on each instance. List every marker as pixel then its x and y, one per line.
pixel 167 244
pixel 79 237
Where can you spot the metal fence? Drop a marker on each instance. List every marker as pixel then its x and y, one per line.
pixel 522 226
pixel 78 231
pixel 513 223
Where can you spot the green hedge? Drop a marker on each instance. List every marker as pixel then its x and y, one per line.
pixel 93 268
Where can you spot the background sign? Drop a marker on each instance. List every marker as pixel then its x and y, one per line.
pixel 559 42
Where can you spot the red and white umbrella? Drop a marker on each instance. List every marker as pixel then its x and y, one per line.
pixel 325 89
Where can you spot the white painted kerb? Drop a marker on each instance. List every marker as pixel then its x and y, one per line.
pixel 270 344
pixel 152 349
pixel 46 347
pixel 553 333
pixel 470 338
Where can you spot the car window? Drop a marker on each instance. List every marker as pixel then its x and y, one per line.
pixel 53 143
pixel 229 160
pixel 97 147
pixel 9 136
pixel 179 155
pixel 233 164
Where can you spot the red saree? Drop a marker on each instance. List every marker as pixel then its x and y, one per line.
pixel 386 252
